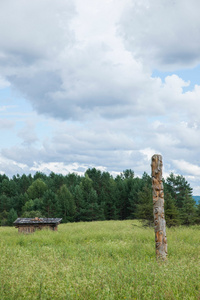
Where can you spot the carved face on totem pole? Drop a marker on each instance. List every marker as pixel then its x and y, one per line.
pixel 157 167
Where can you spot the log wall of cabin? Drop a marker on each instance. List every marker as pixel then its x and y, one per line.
pixel 32 228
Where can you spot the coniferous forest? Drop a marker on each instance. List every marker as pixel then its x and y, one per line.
pixel 95 196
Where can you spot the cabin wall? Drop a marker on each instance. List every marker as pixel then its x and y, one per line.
pixel 26 229
pixel 31 228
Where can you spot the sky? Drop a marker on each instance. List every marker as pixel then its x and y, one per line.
pixel 100 83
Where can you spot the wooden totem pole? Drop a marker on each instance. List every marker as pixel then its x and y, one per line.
pixel 158 207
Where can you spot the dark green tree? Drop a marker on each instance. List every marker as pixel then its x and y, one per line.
pixel 91 207
pixel 66 204
pixel 91 210
pixel 198 214
pixel 72 180
pixel 40 175
pixel 108 198
pixel 144 208
pixel 3 218
pixel 19 202
pixel 55 181
pixel 96 177
pixel 188 210
pixel 8 188
pixel 37 189
pixel 133 197
pixel 12 216
pixel 49 205
pixel 32 214
pixel 5 203
pixel 79 202
pixel 177 187
pixel 24 182
pixel 171 212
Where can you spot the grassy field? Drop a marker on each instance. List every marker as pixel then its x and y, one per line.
pixel 99 260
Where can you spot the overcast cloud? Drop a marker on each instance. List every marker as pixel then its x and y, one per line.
pixel 77 88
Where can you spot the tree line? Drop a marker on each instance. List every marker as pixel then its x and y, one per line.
pixel 95 196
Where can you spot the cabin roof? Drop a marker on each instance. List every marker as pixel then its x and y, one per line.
pixel 24 221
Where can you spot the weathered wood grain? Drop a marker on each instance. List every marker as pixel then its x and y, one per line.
pixel 158 207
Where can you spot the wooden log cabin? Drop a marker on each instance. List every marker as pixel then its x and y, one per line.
pixel 29 225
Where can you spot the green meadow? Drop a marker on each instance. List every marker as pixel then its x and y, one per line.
pixel 99 260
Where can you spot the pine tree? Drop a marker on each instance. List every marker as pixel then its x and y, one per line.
pixel 3 218
pixel 133 200
pixel 79 202
pixel 66 204
pixel 177 187
pixel 5 204
pixel 37 189
pixel 188 210
pixel 109 197
pixel 198 213
pixel 144 208
pixel 48 204
pixel 171 212
pixel 91 213
pixel 12 216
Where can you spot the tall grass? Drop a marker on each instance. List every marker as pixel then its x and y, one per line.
pixel 99 260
